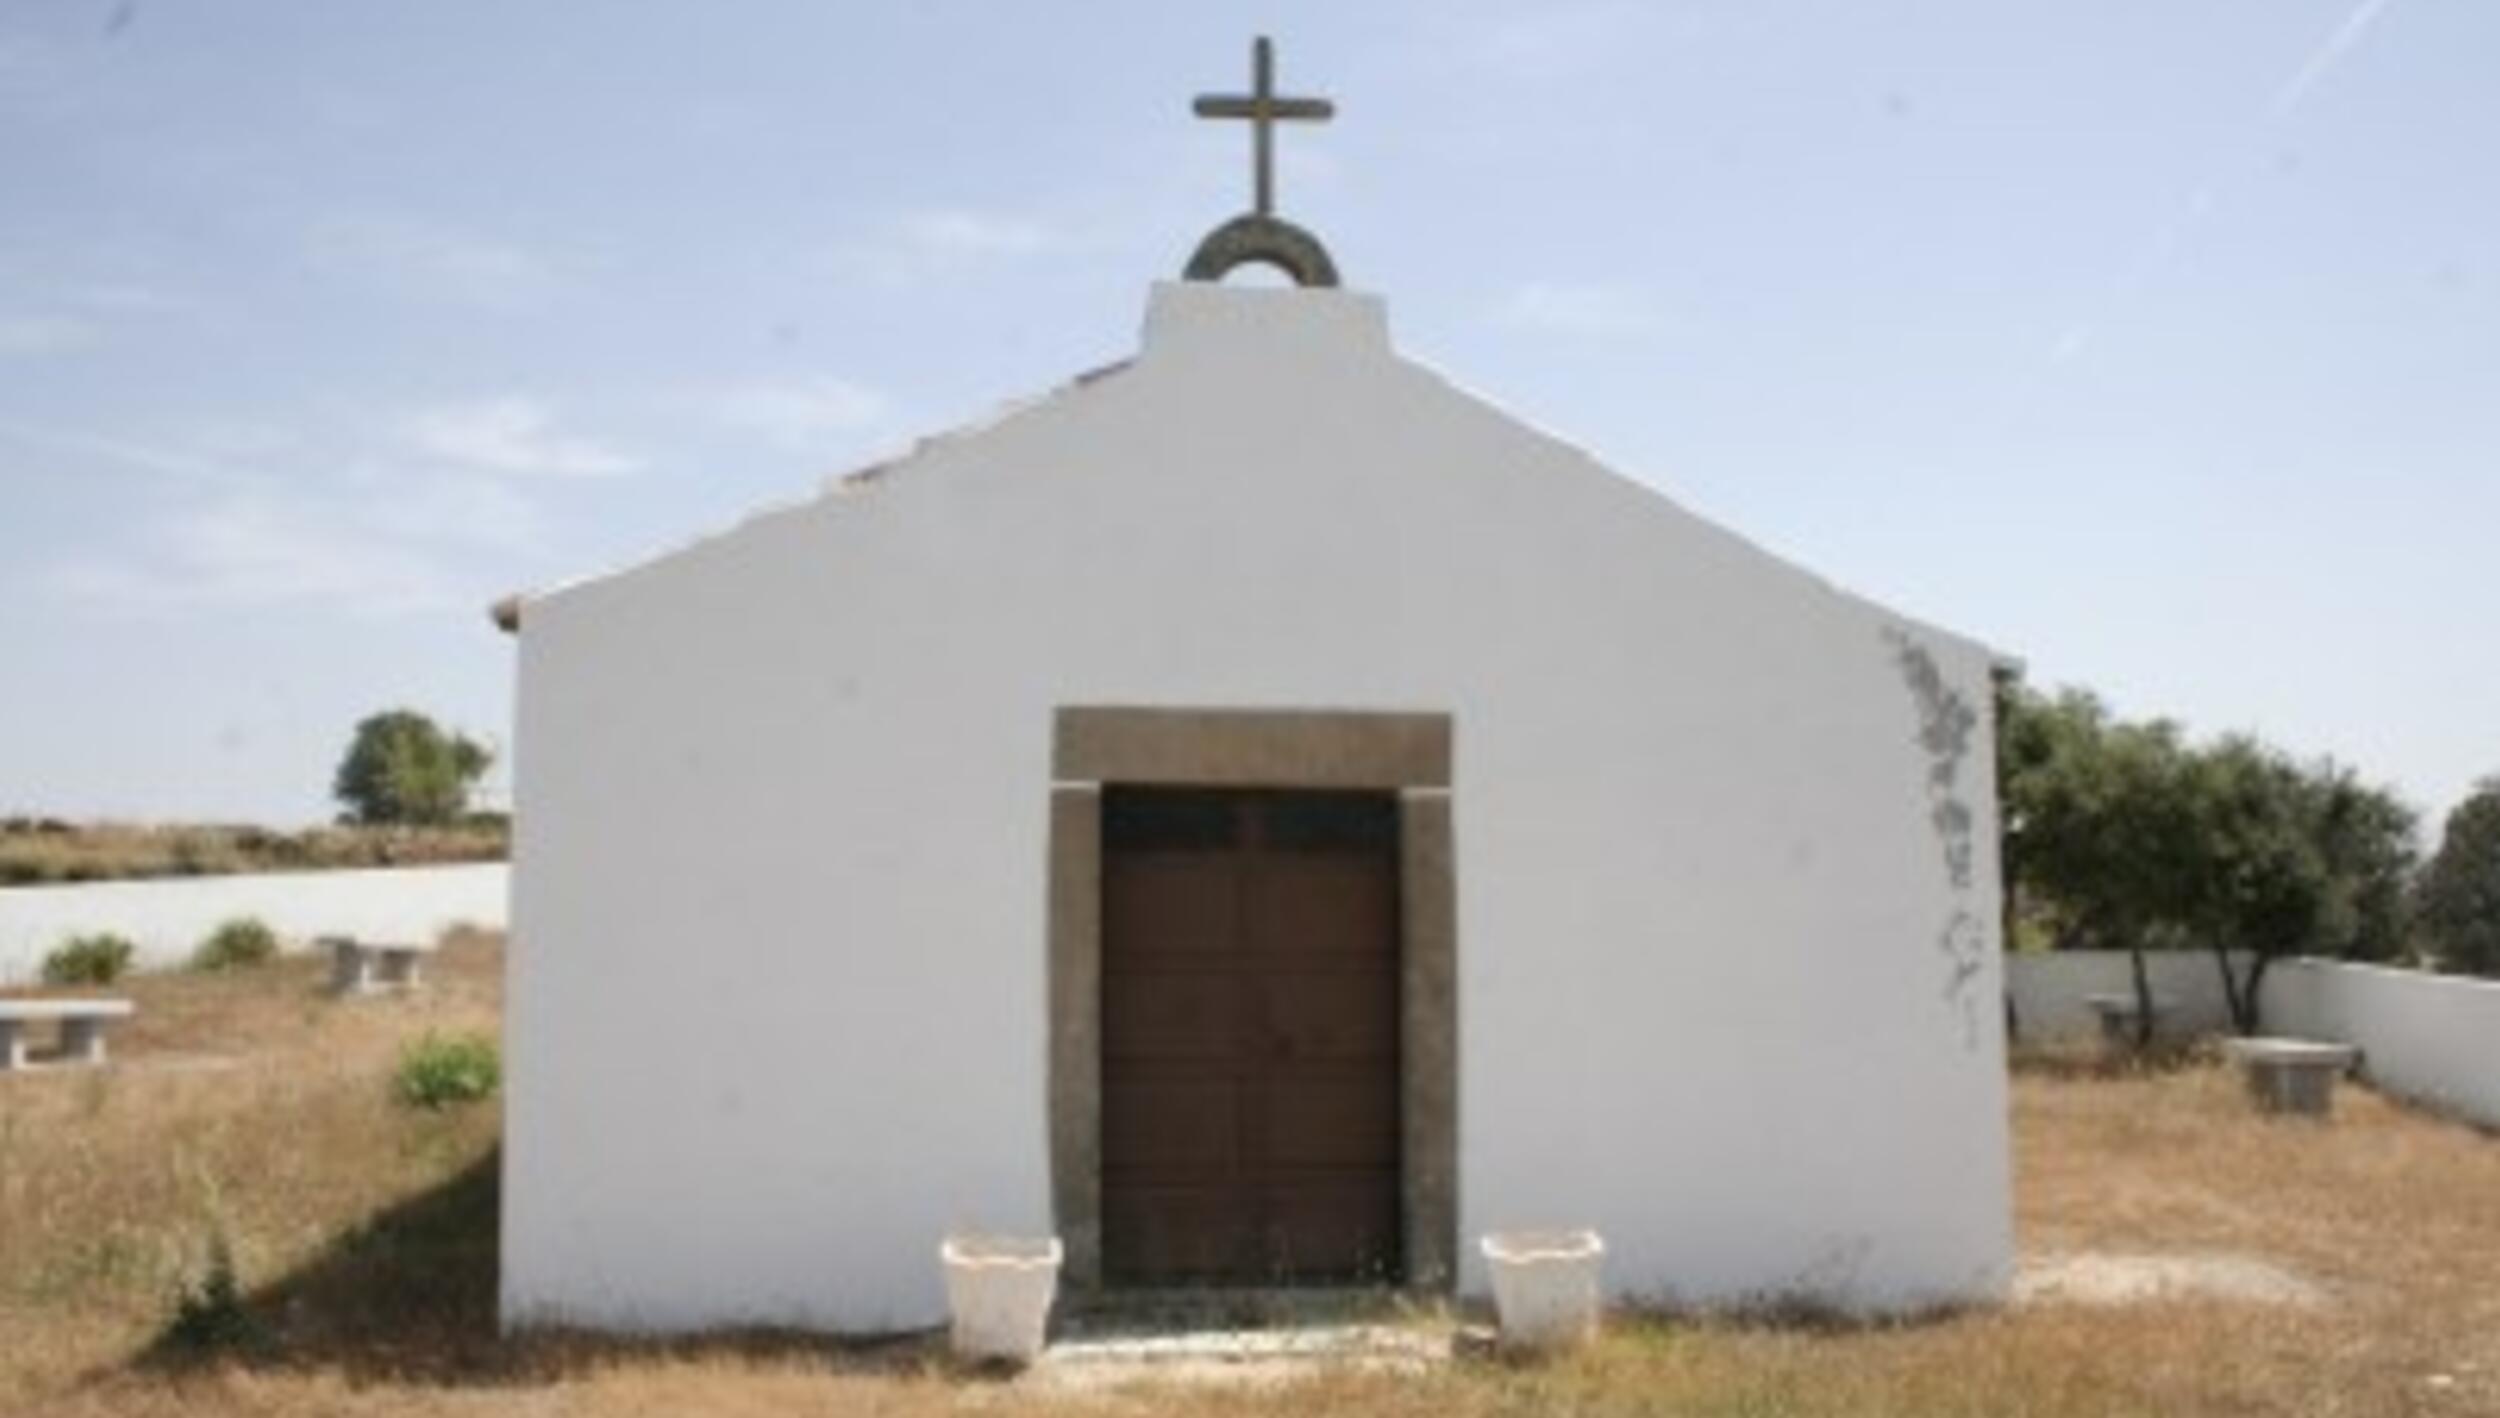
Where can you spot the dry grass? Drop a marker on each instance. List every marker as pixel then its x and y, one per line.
pixel 36 850
pixel 366 1237
pixel 250 1101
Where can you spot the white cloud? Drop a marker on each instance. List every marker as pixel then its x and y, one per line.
pixel 41 80
pixel 1577 309
pixel 254 515
pixel 1550 43
pixel 251 550
pixel 126 297
pixel 427 259
pixel 169 462
pixel 1306 165
pixel 452 511
pixel 513 435
pixel 938 244
pixel 98 305
pixel 2329 52
pixel 796 410
pixel 967 233
pixel 44 334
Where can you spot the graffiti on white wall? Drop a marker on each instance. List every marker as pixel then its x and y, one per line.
pixel 1946 722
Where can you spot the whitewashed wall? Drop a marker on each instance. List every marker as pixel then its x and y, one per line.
pixel 167 917
pixel 2434 1039
pixel 1728 977
pixel 2431 1038
pixel 2049 991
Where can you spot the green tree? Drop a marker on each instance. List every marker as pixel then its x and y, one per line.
pixel 2457 900
pixel 2123 836
pixel 403 769
pixel 2291 860
pixel 2099 826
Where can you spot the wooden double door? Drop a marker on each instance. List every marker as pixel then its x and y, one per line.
pixel 1250 1050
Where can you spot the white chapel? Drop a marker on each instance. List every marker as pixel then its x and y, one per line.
pixel 1265 816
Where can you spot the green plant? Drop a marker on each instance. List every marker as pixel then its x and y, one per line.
pixel 238 944
pixel 97 959
pixel 439 1070
pixel 208 1307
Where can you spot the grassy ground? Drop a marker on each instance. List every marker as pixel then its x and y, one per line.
pixel 364 1237
pixel 38 850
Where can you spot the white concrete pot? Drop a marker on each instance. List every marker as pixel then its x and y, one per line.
pixel 1545 1287
pixel 999 1289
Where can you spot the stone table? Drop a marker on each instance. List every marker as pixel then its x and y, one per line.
pixel 2295 1076
pixel 82 1023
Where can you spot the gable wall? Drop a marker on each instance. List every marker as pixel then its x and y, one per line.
pixel 777 983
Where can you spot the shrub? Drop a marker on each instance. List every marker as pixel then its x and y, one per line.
pixel 208 1307
pixel 33 851
pixel 460 932
pixel 439 1070
pixel 238 944
pixel 97 959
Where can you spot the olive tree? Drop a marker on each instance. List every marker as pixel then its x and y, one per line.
pixel 2457 900
pixel 2099 827
pixel 2123 836
pixel 403 769
pixel 2292 859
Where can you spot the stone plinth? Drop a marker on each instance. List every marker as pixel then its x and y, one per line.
pixel 82 1024
pixel 2295 1076
pixel 361 968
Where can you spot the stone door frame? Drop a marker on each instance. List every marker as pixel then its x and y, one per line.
pixel 1405 753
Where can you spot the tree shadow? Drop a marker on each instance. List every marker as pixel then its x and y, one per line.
pixel 2088 1063
pixel 409 1297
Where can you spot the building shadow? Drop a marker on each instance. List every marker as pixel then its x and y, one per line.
pixel 408 1297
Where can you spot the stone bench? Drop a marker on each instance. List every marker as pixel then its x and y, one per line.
pixel 364 968
pixel 82 1023
pixel 2292 1075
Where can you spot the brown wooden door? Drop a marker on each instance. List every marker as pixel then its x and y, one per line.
pixel 1250 1037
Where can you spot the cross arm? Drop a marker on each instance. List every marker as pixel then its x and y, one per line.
pixel 1227 106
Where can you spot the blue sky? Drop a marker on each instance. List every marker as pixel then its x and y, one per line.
pixel 2155 342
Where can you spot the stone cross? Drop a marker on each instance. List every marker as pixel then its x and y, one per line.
pixel 1263 107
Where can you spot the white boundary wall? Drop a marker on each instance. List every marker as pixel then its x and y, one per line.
pixel 2434 1039
pixel 2048 991
pixel 166 917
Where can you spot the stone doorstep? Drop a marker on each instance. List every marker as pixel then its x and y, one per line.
pixel 1131 1310
pixel 1241 1356
pixel 1246 1335
pixel 1305 1343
